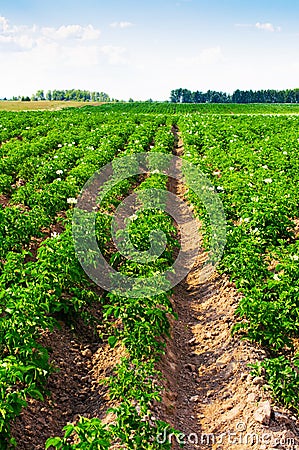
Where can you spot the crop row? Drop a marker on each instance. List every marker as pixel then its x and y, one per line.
pixel 138 325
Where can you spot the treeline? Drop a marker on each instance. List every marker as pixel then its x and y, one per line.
pixel 67 95
pixel 262 96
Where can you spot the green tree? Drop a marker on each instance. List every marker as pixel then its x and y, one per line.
pixel 186 96
pixel 40 95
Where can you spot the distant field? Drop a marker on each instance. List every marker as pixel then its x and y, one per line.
pixel 41 105
pixel 156 107
pixel 203 108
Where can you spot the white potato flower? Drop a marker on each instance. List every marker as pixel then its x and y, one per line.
pixel 71 201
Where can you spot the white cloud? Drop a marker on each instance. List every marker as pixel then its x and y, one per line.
pixel 265 26
pixel 16 38
pixel 24 38
pixel 121 24
pixel 207 57
pixel 76 32
pixel 71 55
pixel 12 43
pixel 71 45
pixel 3 24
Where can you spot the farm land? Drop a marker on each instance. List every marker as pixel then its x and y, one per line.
pixel 84 368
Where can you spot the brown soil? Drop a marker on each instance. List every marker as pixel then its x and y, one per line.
pixel 4 200
pixel 296 229
pixel 42 105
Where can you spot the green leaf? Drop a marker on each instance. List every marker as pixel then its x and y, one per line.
pixel 54 442
pixel 112 340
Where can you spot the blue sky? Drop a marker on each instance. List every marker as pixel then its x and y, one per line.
pixel 142 50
